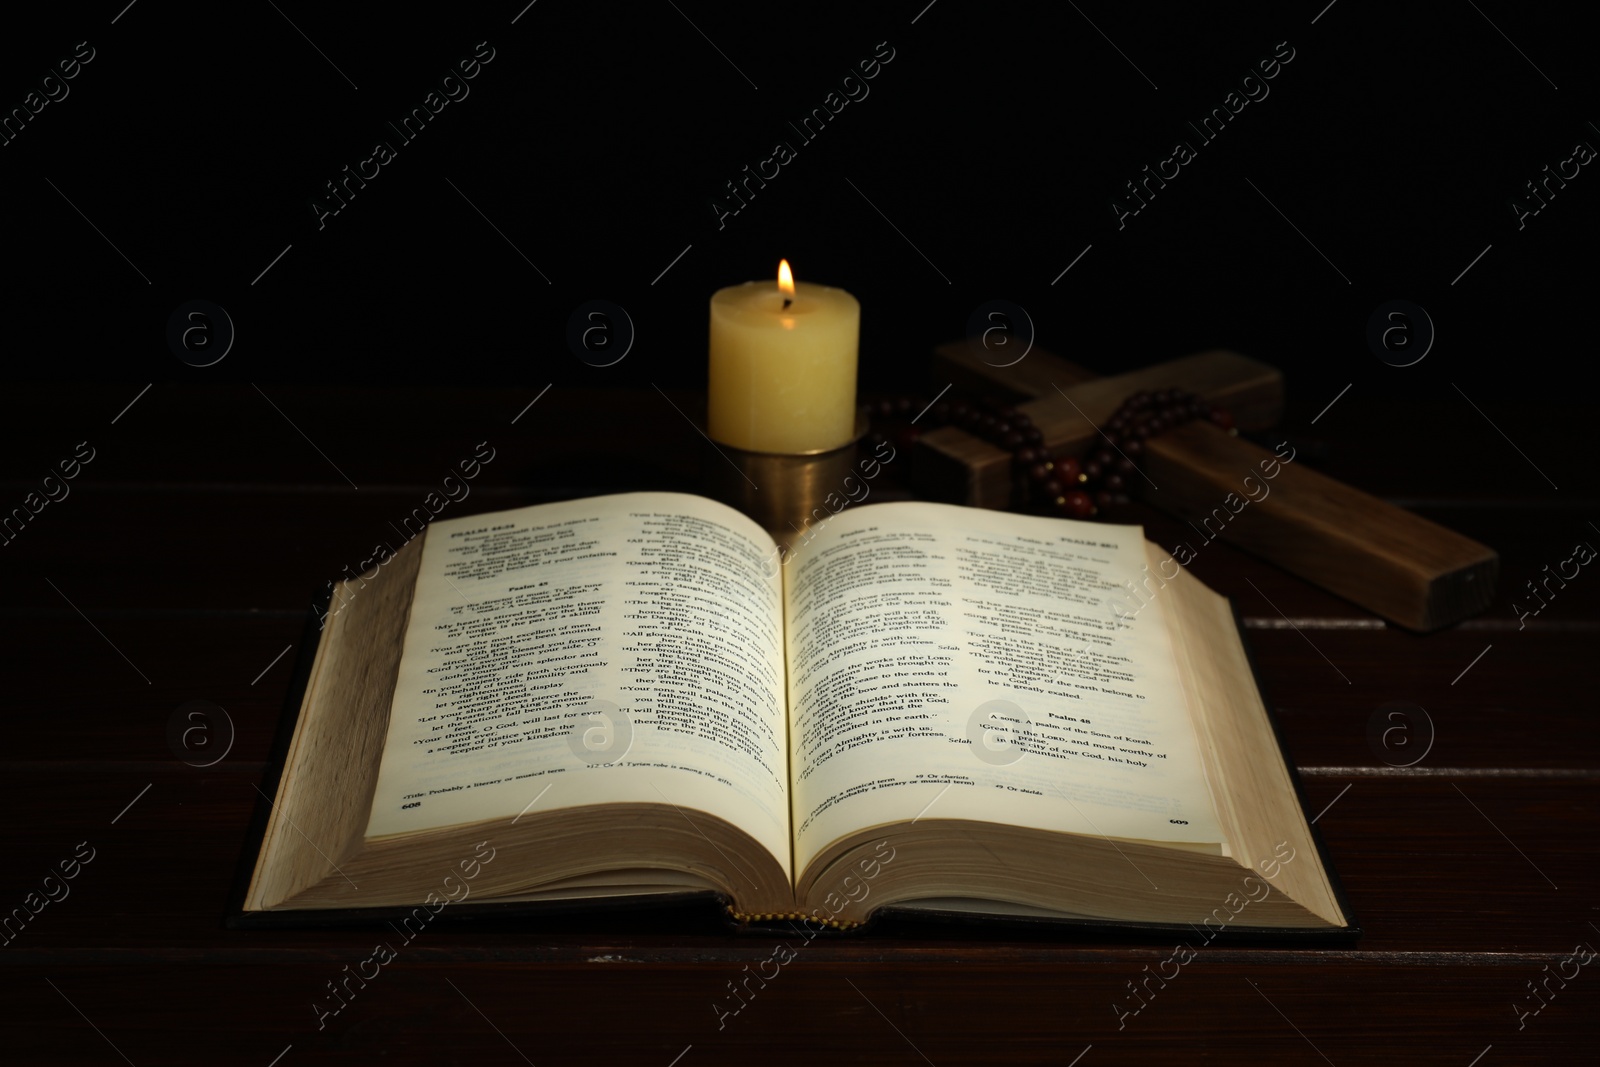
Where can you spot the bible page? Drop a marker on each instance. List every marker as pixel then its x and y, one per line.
pixel 949 662
pixel 619 649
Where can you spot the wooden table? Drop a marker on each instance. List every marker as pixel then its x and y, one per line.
pixel 180 568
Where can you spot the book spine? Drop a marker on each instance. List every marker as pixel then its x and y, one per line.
pixel 792 916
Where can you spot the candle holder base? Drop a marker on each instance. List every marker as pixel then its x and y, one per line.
pixel 783 492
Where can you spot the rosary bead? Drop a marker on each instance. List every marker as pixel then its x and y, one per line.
pixel 1080 486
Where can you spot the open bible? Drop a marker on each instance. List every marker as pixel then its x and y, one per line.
pixel 923 709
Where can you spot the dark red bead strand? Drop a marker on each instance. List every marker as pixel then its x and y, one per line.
pixel 1073 486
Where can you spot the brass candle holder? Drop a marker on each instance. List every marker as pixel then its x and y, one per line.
pixel 784 492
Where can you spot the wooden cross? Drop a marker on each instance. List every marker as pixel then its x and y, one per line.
pixel 1398 565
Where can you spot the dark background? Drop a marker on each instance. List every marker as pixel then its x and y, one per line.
pixel 380 350
pixel 995 142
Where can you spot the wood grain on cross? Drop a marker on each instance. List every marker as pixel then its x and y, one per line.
pixel 1398 565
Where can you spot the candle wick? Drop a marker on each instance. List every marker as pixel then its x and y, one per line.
pixel 786 302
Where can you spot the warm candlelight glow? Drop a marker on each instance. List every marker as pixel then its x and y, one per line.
pixel 783 366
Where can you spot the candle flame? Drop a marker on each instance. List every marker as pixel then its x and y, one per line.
pixel 785 279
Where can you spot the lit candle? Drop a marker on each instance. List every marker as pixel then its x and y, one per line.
pixel 783 366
